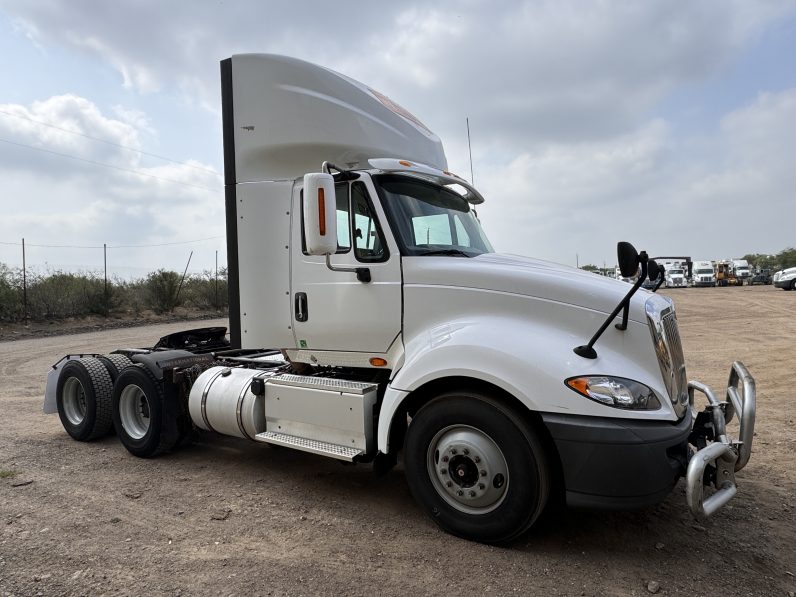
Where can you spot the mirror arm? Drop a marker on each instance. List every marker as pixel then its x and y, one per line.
pixel 363 273
pixel 587 351
pixel 643 258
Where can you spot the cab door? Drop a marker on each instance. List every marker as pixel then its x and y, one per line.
pixel 333 310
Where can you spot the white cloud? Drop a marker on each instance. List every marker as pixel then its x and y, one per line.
pixel 95 192
pixel 527 72
pixel 717 196
pixel 564 98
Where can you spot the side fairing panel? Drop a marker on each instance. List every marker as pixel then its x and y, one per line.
pixel 263 211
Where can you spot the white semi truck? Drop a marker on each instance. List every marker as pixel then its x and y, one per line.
pixel 704 274
pixel 742 272
pixel 370 316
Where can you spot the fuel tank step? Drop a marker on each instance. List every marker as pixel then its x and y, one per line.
pixel 309 445
pixel 323 383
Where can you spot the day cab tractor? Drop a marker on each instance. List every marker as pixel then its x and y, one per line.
pixel 370 315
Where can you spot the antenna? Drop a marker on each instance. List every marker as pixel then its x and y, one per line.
pixel 470 149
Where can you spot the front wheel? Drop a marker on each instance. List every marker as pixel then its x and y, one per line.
pixel 476 467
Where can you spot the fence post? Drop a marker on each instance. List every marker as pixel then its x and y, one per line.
pixel 105 261
pixel 24 283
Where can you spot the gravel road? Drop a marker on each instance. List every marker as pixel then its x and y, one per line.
pixel 229 517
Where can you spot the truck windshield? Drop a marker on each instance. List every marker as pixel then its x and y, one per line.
pixel 704 271
pixel 676 272
pixel 429 219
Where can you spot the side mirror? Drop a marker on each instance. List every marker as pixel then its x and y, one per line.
pixel 320 214
pixel 627 256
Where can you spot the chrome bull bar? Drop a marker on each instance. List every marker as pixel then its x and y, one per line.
pixel 726 455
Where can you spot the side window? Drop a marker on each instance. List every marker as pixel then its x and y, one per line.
pixel 368 239
pixel 432 230
pixel 462 238
pixel 343 229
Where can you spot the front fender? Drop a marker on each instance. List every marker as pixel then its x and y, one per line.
pixel 529 359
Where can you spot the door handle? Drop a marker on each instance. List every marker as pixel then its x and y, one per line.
pixel 301 310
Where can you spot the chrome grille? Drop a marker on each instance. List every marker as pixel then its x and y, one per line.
pixel 669 350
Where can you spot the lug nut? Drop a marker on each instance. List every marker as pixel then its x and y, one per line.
pixel 472 493
pixel 466 451
pixel 443 471
pixel 481 486
pixel 445 459
pixel 483 473
pixel 460 493
pixel 448 484
pixel 453 451
pixel 477 459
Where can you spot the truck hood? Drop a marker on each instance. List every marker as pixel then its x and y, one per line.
pixel 525 276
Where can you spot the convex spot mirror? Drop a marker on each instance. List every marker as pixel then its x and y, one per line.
pixel 654 270
pixel 627 257
pixel 319 207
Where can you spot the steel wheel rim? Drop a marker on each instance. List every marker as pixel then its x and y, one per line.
pixel 467 469
pixel 134 411
pixel 74 401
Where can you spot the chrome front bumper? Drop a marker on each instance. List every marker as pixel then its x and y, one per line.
pixel 720 456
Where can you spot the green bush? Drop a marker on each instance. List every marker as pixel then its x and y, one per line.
pixel 204 292
pixel 161 291
pixel 59 294
pixel 10 295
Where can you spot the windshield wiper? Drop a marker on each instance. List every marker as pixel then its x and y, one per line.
pixel 455 252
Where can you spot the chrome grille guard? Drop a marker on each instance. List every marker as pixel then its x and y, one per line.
pixel 720 457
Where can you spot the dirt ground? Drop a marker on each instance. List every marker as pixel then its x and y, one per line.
pixel 230 517
pixel 91 323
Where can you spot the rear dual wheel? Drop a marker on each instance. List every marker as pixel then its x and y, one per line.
pixel 476 467
pixel 147 425
pixel 83 398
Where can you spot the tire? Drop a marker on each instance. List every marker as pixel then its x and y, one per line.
pixel 114 363
pixel 793 284
pixel 496 480
pixel 83 397
pixel 145 423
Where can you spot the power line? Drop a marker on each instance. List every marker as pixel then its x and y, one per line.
pixel 74 157
pixel 183 242
pixel 113 143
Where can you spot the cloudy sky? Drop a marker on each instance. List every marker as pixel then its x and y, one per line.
pixel 669 124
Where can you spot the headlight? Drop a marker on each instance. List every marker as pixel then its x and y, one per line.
pixel 615 391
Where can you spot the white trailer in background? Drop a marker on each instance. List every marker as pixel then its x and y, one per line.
pixel 370 315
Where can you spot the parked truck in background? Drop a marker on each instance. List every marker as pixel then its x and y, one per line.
pixel 704 275
pixel 725 274
pixel 370 315
pixel 785 278
pixel 742 272
pixel 675 278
